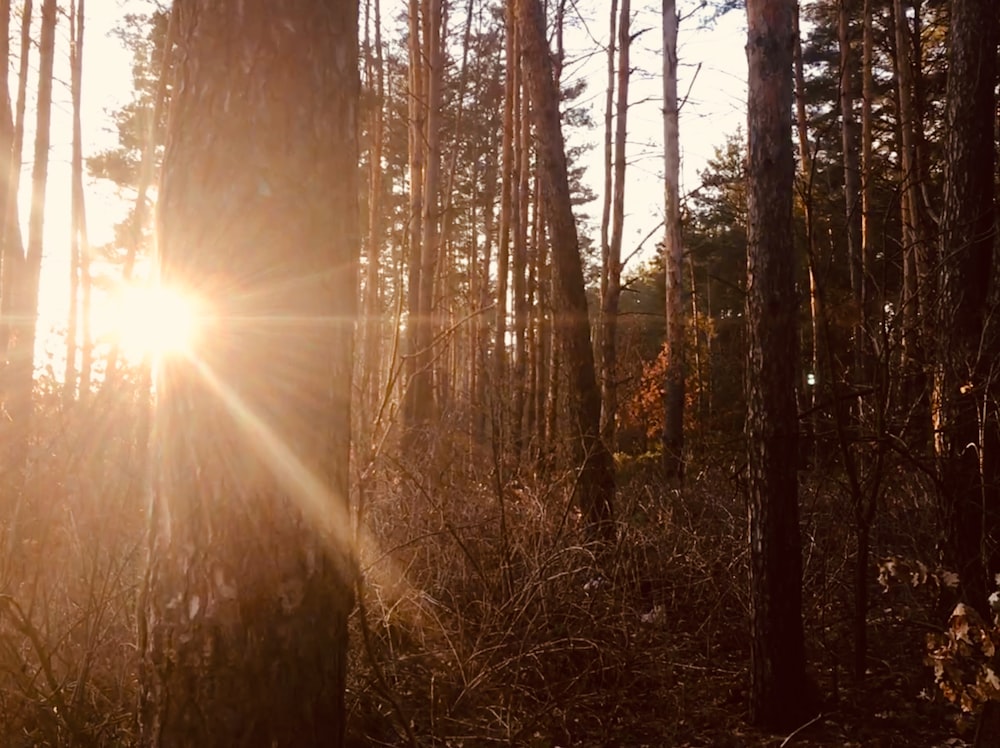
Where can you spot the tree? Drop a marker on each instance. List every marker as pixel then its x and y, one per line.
pixel 614 210
pixel 778 694
pixel 596 483
pixel 20 402
pixel 966 438
pixel 673 389
pixel 249 581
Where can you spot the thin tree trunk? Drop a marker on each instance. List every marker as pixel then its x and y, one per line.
pixel 372 384
pixel 26 294
pixel 609 182
pixel 507 210
pixel 613 265
pixel 417 108
pixel 852 171
pixel 519 270
pixel 13 260
pixel 76 220
pixel 421 386
pixel 673 390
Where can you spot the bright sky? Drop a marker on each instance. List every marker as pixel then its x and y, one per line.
pixel 712 76
pixel 712 73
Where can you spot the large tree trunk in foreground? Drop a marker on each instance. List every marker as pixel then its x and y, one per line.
pixel 778 693
pixel 248 588
pixel 964 404
pixel 596 483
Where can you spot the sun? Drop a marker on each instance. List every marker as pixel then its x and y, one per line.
pixel 155 321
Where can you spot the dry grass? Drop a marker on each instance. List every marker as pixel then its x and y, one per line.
pixel 489 619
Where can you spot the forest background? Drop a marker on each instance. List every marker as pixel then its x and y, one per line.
pixel 564 428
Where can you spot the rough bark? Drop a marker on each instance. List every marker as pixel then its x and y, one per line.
pixel 673 252
pixel 245 600
pixel 778 682
pixel 964 404
pixel 595 485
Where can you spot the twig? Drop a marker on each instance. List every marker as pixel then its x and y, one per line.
pixel 797 730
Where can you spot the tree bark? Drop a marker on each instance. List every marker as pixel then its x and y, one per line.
pixel 964 403
pixel 243 631
pixel 610 301
pixel 778 682
pixel 595 485
pixel 673 386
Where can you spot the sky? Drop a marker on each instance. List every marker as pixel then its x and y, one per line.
pixel 712 76
pixel 712 73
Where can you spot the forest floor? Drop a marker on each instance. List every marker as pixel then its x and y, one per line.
pixel 487 621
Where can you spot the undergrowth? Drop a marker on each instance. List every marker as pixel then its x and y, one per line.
pixel 485 617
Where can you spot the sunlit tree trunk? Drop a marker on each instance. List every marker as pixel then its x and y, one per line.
pixel 416 131
pixel 13 256
pixel 596 484
pixel 78 219
pixel 8 160
pixel 964 405
pixel 673 386
pixel 421 388
pixel 519 270
pixel 613 258
pixel 371 360
pixel 25 323
pixel 243 634
pixel 778 697
pixel 607 194
pixel 507 210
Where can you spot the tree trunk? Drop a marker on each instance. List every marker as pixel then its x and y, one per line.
pixel 964 404
pixel 596 484
pixel 244 606
pixel 610 301
pixel 25 323
pixel 416 131
pixel 778 682
pixel 371 361
pixel 609 183
pixel 507 209
pixel 673 386
pixel 13 258
pixel 852 169
pixel 421 385
pixel 78 219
